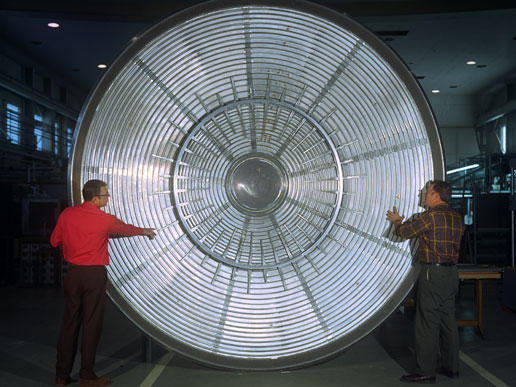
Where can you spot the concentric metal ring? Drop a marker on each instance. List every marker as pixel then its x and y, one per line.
pixel 264 141
pixel 242 216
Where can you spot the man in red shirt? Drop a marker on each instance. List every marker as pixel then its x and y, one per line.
pixel 83 231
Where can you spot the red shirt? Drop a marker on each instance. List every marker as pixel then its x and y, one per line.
pixel 83 231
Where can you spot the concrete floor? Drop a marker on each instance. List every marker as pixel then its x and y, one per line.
pixel 30 322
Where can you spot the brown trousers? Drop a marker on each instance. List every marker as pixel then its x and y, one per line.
pixel 85 294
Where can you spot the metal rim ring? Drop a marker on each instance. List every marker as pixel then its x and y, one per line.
pixel 366 115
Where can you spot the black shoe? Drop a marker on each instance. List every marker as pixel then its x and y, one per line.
pixel 62 382
pixel 97 382
pixel 416 378
pixel 448 373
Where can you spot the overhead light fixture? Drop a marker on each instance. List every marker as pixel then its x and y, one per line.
pixel 462 168
pixel 471 62
pixel 503 139
pixel 101 66
pixel 435 91
pixel 53 25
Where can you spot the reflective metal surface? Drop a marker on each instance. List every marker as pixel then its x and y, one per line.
pixel 257 184
pixel 264 141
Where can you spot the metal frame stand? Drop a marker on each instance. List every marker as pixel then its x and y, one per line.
pixel 146 349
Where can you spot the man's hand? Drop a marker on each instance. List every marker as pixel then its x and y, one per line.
pixel 149 232
pixel 394 217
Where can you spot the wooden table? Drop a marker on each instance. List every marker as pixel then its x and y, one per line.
pixel 478 273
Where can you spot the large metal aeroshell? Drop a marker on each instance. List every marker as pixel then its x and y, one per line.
pixel 264 140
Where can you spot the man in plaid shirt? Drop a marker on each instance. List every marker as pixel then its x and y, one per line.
pixel 439 230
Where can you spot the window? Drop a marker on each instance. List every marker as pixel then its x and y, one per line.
pixel 69 134
pixel 43 132
pixel 56 138
pixel 13 123
pixel 38 131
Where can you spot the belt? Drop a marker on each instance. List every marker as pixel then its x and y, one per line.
pixel 438 264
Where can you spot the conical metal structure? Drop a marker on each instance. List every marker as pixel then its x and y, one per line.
pixel 264 140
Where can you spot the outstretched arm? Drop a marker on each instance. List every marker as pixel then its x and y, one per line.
pixel 118 228
pixel 411 228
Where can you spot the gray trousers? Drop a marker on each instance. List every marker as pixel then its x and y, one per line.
pixel 436 327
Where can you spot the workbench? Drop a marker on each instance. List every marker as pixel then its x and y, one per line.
pixel 477 273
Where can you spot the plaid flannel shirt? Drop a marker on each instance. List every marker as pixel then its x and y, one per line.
pixel 440 230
